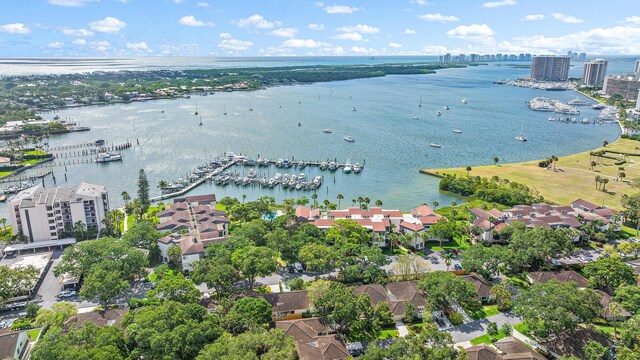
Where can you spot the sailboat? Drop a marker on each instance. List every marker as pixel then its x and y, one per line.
pixel 464 101
pixel 349 138
pixel 200 124
pixel 435 144
pixel 196 108
pixel 521 137
pixel 224 109
pixel 250 108
pixel 162 111
pixel 439 113
pixel 420 104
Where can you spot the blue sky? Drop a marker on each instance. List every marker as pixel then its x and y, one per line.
pixel 44 28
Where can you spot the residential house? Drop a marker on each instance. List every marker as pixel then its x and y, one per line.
pixel 508 348
pixel 605 301
pixel 14 346
pixel 376 292
pixel 108 317
pixel 194 222
pixel 288 305
pixel 404 293
pixel 5 161
pixel 562 277
pixel 314 339
pixel 418 222
pixel 482 286
pixel 487 222
pixel 590 211
pixel 568 345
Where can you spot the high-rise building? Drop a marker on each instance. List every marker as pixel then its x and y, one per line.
pixel 594 72
pixel 47 214
pixel 461 58
pixel 550 68
pixel 638 101
pixel 447 57
pixel 441 58
pixel 636 69
pixel 625 85
pixel 582 57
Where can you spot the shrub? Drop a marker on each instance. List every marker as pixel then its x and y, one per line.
pixel 456 318
pixel 262 290
pixel 22 324
pixel 295 284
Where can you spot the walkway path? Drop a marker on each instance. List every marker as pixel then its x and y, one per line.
pixel 402 329
pixel 125 221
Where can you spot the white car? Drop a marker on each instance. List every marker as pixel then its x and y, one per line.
pixel 67 293
pixel 2 324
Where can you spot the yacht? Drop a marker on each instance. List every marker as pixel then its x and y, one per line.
pixel 333 166
pixel 327 131
pixel 521 138
pixel 357 168
pixel 457 131
pixel 439 113
pixel 435 145
pixel 347 167
pixel 108 157
pixel 597 107
pixel 465 101
pixel 14 189
pixel 349 138
pixel 578 102
pixel 323 165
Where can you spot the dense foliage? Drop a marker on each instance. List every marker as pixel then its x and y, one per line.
pixel 491 190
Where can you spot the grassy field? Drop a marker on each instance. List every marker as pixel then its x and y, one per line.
pixel 388 334
pixel 486 339
pixel 33 334
pixel 484 312
pixel 522 329
pixel 573 177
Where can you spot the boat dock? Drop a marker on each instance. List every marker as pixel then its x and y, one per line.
pixel 220 174
pixel 31 178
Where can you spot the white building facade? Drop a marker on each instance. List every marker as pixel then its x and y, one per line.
pixel 43 214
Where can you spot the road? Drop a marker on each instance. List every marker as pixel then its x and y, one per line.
pixel 477 328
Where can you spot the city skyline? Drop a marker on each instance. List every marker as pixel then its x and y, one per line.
pixel 124 28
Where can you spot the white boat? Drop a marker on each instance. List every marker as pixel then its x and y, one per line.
pixel 446 107
pixel 347 167
pixel 224 110
pixel 108 157
pixel 585 120
pixel 464 101
pixel 415 118
pixel 435 145
pixel 252 174
pixel 327 131
pixel 196 109
pixel 578 102
pixel 521 138
pixel 420 105
pixel 353 109
pixel 349 138
pixel 439 113
pixel 457 131
pixel 14 189
pixel 250 108
pixel 333 166
pixel 357 168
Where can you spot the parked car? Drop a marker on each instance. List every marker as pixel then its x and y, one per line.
pixel 457 267
pixel 3 324
pixel 298 267
pixel 67 293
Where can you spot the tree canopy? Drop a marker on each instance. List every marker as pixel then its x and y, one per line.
pixel 609 273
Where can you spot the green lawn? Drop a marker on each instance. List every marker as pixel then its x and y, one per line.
pixel 5 173
pixel 30 162
pixel 485 312
pixel 388 334
pixel 486 339
pixel 33 334
pixel 522 329
pixel 456 244
pixel 628 232
pixel 608 328
pixel 516 281
pixel 36 152
pixel 463 209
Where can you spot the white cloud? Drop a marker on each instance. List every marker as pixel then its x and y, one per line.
pixel 70 3
pixel 188 49
pixel 394 45
pixel 137 46
pixel 77 32
pixel 434 50
pixel 79 42
pixel 473 32
pixel 408 31
pixel 55 45
pixel 340 9
pixel 420 2
pixel 349 36
pixel 533 17
pixel 361 50
pixel 361 29
pixel 315 26
pixel 203 4
pixel 101 45
pixel 301 43
pixel 190 20
pixel 438 17
pixel 614 40
pixel 284 32
pixel 16 28
pixel 633 20
pixel 492 4
pixel 225 35
pixel 257 21
pixel 566 18
pixel 109 25
pixel 235 45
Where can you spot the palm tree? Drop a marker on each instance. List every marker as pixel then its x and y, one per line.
pixel 448 258
pixel 468 168
pixel 593 164
pixel 366 202
pixel 314 197
pixel 435 204
pixel 162 184
pixel 554 159
pixel 125 197
pixel 4 222
pixel 353 202
pixel 598 180
pixel 326 203
pixel 379 203
pixel 339 197
pixel 604 184
pixel 360 200
pixel 244 196
pixel 615 309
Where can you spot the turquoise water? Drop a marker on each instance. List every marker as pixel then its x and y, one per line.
pixel 393 144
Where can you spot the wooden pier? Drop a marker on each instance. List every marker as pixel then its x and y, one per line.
pixel 192 185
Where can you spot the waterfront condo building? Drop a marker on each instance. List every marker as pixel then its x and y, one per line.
pixel 636 69
pixel 550 68
pixel 625 85
pixel 44 214
pixel 594 72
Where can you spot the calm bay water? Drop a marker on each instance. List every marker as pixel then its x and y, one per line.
pixel 393 144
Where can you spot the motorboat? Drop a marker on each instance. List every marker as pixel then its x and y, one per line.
pixel 108 157
pixel 323 165
pixel 446 107
pixel 357 168
pixel 327 131
pixel 14 189
pixel 353 109
pixel 333 166
pixel 457 131
pixel 439 113
pixel 435 145
pixel 464 101
pixel 521 138
pixel 349 138
pixel 347 168
pixel 585 120
pixel 415 118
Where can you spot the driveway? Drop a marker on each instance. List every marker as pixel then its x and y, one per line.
pixel 477 328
